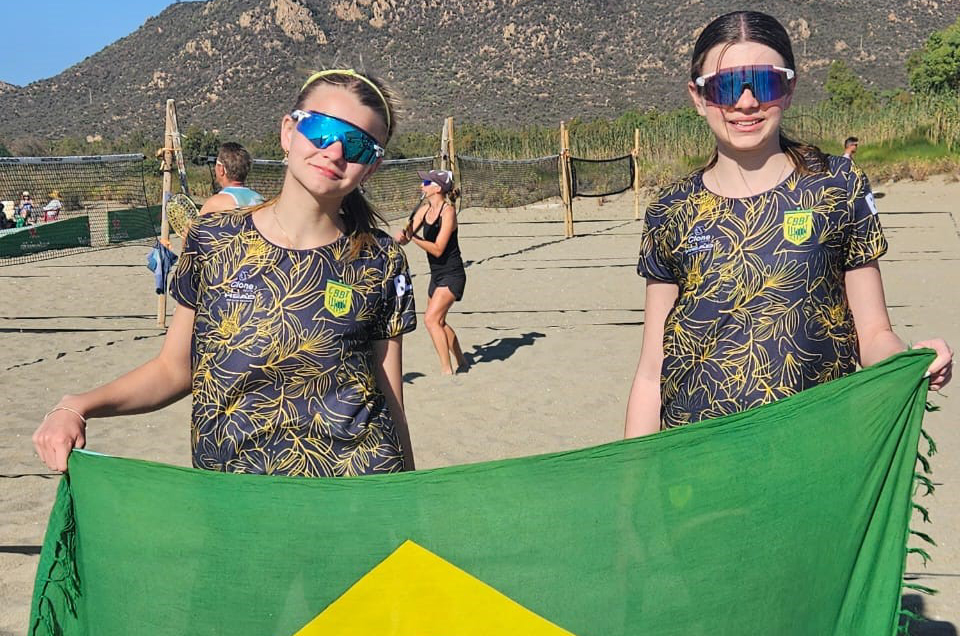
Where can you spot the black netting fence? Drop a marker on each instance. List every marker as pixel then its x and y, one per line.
pixel 601 177
pixel 72 204
pixel 392 189
pixel 489 183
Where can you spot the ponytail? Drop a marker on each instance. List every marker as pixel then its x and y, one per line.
pixel 361 220
pixel 806 158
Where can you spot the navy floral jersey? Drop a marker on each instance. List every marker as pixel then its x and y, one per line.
pixel 762 310
pixel 282 359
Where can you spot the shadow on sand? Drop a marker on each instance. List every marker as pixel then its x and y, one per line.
pixel 926 626
pixel 499 349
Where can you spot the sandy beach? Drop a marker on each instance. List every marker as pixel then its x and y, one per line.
pixel 553 328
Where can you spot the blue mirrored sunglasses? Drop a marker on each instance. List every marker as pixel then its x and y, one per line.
pixel 767 83
pixel 427 182
pixel 323 130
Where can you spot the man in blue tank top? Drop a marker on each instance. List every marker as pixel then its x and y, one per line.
pixel 230 171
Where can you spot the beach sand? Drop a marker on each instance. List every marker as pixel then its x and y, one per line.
pixel 553 327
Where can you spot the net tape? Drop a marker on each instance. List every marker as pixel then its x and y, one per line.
pixel 103 203
pixel 392 189
pixel 493 183
pixel 601 177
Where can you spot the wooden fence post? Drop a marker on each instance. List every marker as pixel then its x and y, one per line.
pixel 444 146
pixel 452 153
pixel 164 197
pixel 569 164
pixel 566 193
pixel 636 173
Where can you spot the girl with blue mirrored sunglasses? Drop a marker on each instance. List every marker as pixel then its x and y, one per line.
pixel 323 130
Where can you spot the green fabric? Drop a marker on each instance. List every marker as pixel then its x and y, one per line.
pixel 791 518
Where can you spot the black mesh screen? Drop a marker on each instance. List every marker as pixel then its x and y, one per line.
pixel 601 177
pixel 392 189
pixel 489 183
pixel 103 203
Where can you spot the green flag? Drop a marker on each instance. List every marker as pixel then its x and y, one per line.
pixel 791 518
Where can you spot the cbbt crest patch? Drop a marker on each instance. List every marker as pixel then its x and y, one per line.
pixel 797 226
pixel 337 298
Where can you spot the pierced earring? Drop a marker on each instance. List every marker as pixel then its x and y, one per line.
pixel 286 158
pixel 362 188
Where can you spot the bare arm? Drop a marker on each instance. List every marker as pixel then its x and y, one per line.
pixel 218 203
pixel 643 405
pixel 416 220
pixel 161 381
pixel 388 369
pixel 447 226
pixel 875 337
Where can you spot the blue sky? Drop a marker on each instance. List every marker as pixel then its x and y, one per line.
pixel 45 37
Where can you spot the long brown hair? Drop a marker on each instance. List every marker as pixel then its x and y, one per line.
pixel 753 26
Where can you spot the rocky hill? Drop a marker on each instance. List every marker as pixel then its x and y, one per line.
pixel 235 65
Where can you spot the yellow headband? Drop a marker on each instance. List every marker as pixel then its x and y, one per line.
pixel 352 73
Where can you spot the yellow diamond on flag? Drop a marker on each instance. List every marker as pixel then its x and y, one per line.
pixel 413 592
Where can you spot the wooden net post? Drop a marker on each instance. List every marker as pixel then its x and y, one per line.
pixel 164 197
pixel 636 173
pixel 566 177
pixel 562 176
pixel 444 146
pixel 452 153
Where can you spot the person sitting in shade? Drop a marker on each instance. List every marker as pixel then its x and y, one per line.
pixel 5 222
pixel 51 211
pixel 24 212
pixel 230 171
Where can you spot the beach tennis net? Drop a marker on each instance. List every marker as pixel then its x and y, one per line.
pixel 601 177
pixel 72 204
pixel 392 189
pixel 493 183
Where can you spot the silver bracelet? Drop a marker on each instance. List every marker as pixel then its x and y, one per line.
pixel 66 408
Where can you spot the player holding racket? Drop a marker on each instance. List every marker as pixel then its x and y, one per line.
pixel 438 220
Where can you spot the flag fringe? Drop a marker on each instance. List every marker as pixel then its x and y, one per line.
pixel 61 574
pixel 906 616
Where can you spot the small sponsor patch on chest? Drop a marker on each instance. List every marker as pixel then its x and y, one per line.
pixel 337 298
pixel 797 226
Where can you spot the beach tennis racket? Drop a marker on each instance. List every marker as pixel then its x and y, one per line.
pixel 181 213
pixel 413 213
pixel 178 158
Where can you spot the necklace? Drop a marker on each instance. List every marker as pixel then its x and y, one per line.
pixel 276 218
pixel 783 171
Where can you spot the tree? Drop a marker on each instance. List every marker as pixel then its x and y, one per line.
pixel 4 151
pixel 845 88
pixel 199 143
pixel 936 67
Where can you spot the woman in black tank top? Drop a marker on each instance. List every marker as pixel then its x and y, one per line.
pixel 437 218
